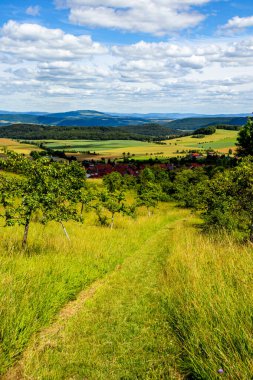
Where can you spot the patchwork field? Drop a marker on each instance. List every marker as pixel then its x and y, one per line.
pixel 221 141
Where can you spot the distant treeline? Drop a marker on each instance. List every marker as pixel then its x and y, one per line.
pixel 212 129
pixel 194 123
pixel 143 132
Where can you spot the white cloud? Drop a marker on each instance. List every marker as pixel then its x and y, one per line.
pixel 76 72
pixel 237 23
pixel 158 17
pixel 37 43
pixel 33 10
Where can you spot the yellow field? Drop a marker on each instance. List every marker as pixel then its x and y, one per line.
pixel 15 146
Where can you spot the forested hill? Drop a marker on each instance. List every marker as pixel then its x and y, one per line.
pixel 40 132
pixel 74 118
pixel 193 123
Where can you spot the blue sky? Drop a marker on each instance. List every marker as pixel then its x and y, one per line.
pixel 127 55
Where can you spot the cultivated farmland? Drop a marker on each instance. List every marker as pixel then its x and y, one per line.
pixel 221 141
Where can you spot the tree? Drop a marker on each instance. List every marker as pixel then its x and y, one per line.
pixel 53 188
pixel 227 200
pixel 149 196
pixel 210 130
pixel 187 186
pixel 113 203
pixel 114 182
pixel 245 139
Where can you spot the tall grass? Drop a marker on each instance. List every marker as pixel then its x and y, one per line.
pixel 119 333
pixel 179 307
pixel 209 303
pixel 36 283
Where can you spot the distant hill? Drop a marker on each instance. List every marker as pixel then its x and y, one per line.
pixel 175 116
pixel 74 118
pixel 90 118
pixel 46 132
pixel 193 123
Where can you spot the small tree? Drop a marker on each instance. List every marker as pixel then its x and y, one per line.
pixel 112 202
pixel 114 182
pixel 245 139
pixel 53 188
pixel 149 196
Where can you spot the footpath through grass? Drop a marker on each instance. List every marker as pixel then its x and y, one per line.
pixel 119 333
pixel 36 284
pixel 173 304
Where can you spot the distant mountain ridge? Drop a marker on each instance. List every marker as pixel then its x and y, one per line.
pixel 91 118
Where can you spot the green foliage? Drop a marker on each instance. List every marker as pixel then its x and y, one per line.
pixel 205 131
pixel 148 191
pixel 113 182
pixel 114 203
pixel 224 197
pixel 188 186
pixel 245 139
pixel 43 132
pixel 53 189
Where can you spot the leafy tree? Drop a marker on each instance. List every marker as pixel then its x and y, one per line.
pixel 149 196
pixel 113 203
pixel 226 200
pixel 187 185
pixel 147 176
pixel 210 130
pixel 245 139
pixel 114 182
pixel 53 188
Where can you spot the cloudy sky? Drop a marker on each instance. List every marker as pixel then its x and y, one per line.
pixel 127 55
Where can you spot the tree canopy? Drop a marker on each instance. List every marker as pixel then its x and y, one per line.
pixel 245 139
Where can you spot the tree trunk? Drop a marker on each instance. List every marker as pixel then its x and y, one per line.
pixel 27 224
pixel 251 233
pixel 82 208
pixel 112 221
pixel 65 231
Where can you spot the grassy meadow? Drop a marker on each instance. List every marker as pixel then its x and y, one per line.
pixel 221 141
pixel 36 283
pixel 161 301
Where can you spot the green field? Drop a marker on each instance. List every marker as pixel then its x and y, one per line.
pixel 222 141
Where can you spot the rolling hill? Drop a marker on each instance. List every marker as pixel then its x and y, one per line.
pixel 90 118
